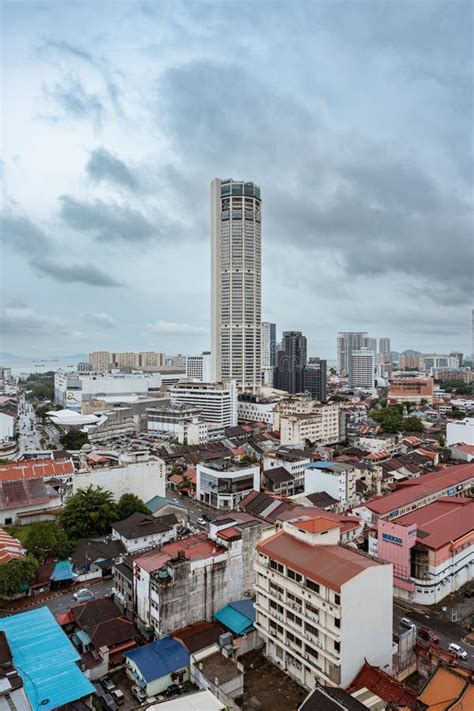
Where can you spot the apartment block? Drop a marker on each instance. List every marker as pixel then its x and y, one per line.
pixel 217 402
pixel 338 479
pixel 412 390
pixel 320 425
pixel 199 367
pixel 312 604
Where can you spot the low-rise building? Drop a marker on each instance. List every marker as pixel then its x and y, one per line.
pixel 410 390
pixel 460 431
pixel 312 606
pixel 338 479
pixel 255 408
pixel 157 665
pixel 28 501
pixel 182 422
pixel 279 481
pixel 140 532
pixel 216 402
pixel 294 460
pixel 219 673
pixel 94 558
pixel 320 426
pixel 223 483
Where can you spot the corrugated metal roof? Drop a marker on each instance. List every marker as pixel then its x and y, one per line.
pixel 159 658
pixel 45 659
pixel 62 571
pixel 238 616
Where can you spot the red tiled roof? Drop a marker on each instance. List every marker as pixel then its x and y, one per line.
pixel 426 484
pixel 37 469
pixel 317 524
pixel 443 521
pixel 10 547
pixel 382 684
pixel 331 565
pixel 176 479
pixel 228 533
pixel 193 547
pixel 466 448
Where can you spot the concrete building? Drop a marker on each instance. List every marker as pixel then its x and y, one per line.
pixel 315 377
pixel 321 425
pixel 410 390
pixel 348 341
pixel 181 421
pixel 102 361
pixel 431 549
pixel 460 431
pixel 268 352
pixel 140 532
pixel 312 606
pixel 338 479
pixel 409 361
pixel 217 402
pixel 384 346
pixel 223 483
pixel 71 390
pixel 7 427
pixel 291 362
pixel 293 460
pixel 199 367
pixel 139 474
pixel 255 408
pixel 236 289
pixel 362 369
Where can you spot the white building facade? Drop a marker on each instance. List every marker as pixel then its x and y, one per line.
pixel 362 369
pixel 224 484
pixel 199 367
pixel 217 402
pixel 321 426
pixel 73 389
pixel 337 479
pixel 236 282
pixel 142 475
pixel 460 431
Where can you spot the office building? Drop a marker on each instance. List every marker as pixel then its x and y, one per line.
pixel 409 361
pixel 321 424
pixel 268 355
pixel 291 362
pixel 72 390
pixel 315 379
pixel 102 361
pixel 199 367
pixel 384 345
pixel 223 483
pixel 362 369
pixel 413 390
pixel 312 604
pixel 347 341
pixel 217 402
pixel 236 289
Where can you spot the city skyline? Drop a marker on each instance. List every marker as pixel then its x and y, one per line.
pixel 112 147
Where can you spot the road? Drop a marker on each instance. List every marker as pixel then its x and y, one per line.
pixel 30 436
pixel 61 603
pixel 195 508
pixel 446 631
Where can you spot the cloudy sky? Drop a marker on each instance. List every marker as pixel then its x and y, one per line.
pixel 354 117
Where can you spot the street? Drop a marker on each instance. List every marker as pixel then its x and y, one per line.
pixel 29 435
pixel 195 508
pixel 62 602
pixel 447 631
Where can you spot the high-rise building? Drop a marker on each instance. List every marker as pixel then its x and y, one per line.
pixel 102 361
pixel 384 345
pixel 291 362
pixel 347 341
pixel 199 367
pixel 217 402
pixel 99 361
pixel 362 369
pixel 268 349
pixel 315 379
pixel 236 282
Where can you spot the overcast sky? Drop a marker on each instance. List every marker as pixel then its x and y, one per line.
pixel 355 119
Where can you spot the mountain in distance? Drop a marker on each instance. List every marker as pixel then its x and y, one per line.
pixel 396 354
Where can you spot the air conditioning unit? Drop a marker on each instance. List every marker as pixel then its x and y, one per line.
pixel 305 656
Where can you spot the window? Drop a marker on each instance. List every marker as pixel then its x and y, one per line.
pixel 337 622
pixel 8 521
pixel 337 599
pixel 294 576
pixel 312 586
pixel 276 566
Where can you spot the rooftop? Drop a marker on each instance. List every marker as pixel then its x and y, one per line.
pixel 36 469
pixel 238 616
pixel 217 666
pixel 278 475
pixel 385 686
pixel 450 687
pixel 426 484
pixel 198 635
pixel 325 698
pixel 139 525
pixel 319 524
pixel 159 658
pixel 331 565
pixel 441 522
pixel 39 646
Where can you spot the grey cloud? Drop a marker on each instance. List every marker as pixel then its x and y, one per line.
pixel 22 235
pixel 109 222
pixel 74 100
pixel 22 320
pixel 105 166
pixel 102 320
pixel 81 273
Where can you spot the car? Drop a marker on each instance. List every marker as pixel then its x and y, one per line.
pixel 425 633
pixel 405 622
pixel 119 696
pixel 139 693
pixel 83 595
pixel 174 690
pixel 458 651
pixel 108 702
pixel 202 521
pixel 206 517
pixel 108 684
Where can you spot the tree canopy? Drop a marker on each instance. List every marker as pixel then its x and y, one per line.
pixel 88 513
pixel 16 574
pixel 392 420
pixel 74 439
pixel 129 504
pixel 46 539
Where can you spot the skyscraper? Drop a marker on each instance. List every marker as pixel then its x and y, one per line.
pixel 384 345
pixel 291 362
pixel 362 369
pixel 268 349
pixel 315 378
pixel 347 341
pixel 236 282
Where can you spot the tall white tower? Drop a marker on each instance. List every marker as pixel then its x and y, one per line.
pixel 236 282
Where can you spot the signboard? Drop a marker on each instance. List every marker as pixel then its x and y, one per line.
pixel 392 514
pixel 392 539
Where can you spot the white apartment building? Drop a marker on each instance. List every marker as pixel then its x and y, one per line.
pixel 217 402
pixel 321 426
pixel 199 367
pixel 222 484
pixel 338 479
pixel 293 463
pixel 348 341
pixel 102 361
pixel 460 431
pixel 362 369
pixel 71 390
pixel 312 604
pixel 180 421
pixel 236 289
pixel 255 411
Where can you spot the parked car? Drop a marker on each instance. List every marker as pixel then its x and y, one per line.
pixel 202 521
pixel 425 633
pixel 405 622
pixel 174 690
pixel 459 651
pixel 119 696
pixel 108 702
pixel 139 693
pixel 108 684
pixel 83 595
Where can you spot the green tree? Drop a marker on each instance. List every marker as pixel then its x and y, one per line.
pixel 442 440
pixel 46 539
pixel 129 504
pixel 412 424
pixel 16 574
pixel 88 513
pixel 74 439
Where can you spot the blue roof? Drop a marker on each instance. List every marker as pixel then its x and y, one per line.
pixel 157 502
pixel 62 571
pixel 45 659
pixel 237 616
pixel 159 658
pixel 321 465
